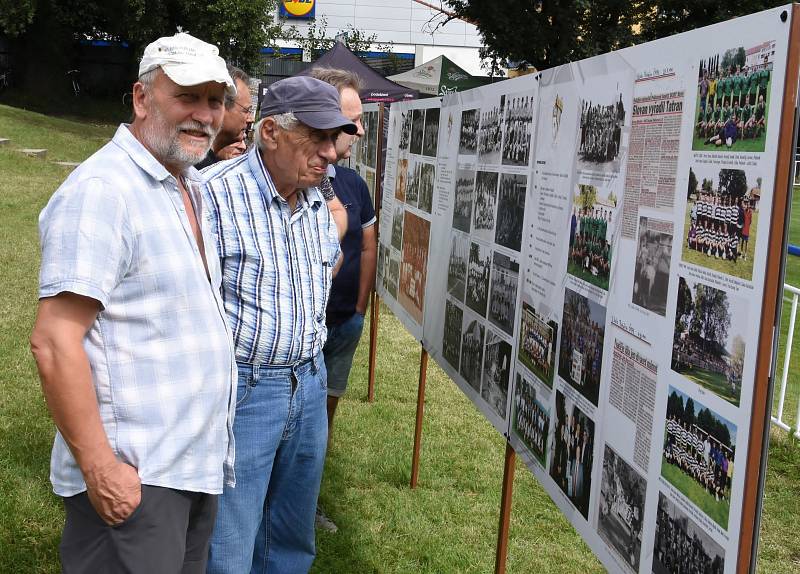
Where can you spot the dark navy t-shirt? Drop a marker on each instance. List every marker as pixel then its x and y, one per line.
pixel 352 191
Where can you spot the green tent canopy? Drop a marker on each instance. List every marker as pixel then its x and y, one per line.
pixel 437 77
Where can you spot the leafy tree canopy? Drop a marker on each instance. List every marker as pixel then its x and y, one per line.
pixel 546 33
pixel 240 28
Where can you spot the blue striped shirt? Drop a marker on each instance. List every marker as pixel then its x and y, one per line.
pixel 276 263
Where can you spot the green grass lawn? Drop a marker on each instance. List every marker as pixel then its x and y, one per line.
pixel 717 510
pixel 578 271
pixel 448 524
pixel 717 383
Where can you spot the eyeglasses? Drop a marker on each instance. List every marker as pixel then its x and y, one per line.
pixel 245 110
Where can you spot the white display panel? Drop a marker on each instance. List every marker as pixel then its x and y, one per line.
pixel 598 248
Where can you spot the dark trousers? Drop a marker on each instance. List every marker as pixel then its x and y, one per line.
pixel 167 533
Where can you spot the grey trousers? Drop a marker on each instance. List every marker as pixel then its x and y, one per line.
pixel 167 533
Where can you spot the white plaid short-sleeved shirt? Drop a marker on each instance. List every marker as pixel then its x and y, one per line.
pixel 276 262
pixel 160 349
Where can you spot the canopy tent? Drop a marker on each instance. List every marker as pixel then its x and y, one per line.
pixel 378 88
pixel 438 77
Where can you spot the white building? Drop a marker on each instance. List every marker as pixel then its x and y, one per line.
pixel 409 26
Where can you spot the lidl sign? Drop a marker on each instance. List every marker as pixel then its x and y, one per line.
pixel 297 9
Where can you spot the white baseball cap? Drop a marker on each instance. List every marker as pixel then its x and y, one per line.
pixel 187 61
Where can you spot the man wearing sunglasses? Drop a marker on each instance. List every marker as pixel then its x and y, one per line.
pixel 238 115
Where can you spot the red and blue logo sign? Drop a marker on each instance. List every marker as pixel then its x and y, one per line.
pixel 297 9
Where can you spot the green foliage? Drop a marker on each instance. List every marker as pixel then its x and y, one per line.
pixel 15 15
pixel 546 34
pixel 667 17
pixel 240 28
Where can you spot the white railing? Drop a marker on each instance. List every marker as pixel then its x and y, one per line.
pixel 778 421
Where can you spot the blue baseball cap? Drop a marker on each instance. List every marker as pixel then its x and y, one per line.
pixel 314 102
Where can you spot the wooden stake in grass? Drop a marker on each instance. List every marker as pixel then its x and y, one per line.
pixel 505 510
pixel 423 375
pixel 375 308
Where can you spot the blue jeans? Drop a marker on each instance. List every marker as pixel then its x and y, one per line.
pixel 339 350
pixel 266 523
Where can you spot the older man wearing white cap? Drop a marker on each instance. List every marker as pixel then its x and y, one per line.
pixel 131 342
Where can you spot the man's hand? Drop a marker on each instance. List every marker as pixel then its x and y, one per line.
pixel 114 490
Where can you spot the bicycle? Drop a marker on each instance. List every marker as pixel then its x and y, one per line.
pixel 5 79
pixel 74 75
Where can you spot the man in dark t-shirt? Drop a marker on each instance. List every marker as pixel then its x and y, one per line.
pixel 355 280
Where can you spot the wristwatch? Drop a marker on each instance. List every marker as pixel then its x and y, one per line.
pixel 326 188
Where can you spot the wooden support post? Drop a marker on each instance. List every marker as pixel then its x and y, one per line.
pixel 505 510
pixel 375 308
pixel 423 375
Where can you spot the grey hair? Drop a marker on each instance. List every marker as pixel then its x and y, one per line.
pixel 148 78
pixel 286 122
pixel 338 78
pixel 241 76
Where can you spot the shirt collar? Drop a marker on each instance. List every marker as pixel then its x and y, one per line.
pixel 142 157
pixel 331 170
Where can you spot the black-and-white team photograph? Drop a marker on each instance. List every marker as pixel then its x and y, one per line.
pixel 393 276
pixel 397 227
pixel 681 546
pixel 420 185
pixel 653 256
pixel 485 202
pixel 531 417
pixel 496 373
pixel 463 200
pixel 417 130
pixel 601 127
pixel 537 343
pixel 472 354
pixel 490 133
pixel 478 278
pixel 580 360
pixel 510 210
pixel 621 513
pixel 405 130
pixel 430 141
pixel 383 260
pixel 451 337
pixel 468 138
pixel 518 133
pixel 572 453
pixel 457 266
pixel 412 185
pixel 503 292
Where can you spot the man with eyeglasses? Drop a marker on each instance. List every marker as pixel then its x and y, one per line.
pixel 278 245
pixel 238 115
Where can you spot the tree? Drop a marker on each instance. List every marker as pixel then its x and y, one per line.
pixel 733 182
pixel 667 17
pixel 587 196
pixel 692 183
pixel 561 31
pixel 546 34
pixel 240 29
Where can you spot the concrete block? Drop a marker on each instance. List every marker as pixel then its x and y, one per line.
pixel 33 152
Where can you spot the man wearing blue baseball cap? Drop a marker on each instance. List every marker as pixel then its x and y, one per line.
pixel 278 244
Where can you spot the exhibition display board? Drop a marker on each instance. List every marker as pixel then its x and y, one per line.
pixel 366 152
pixel 593 254
pixel 407 208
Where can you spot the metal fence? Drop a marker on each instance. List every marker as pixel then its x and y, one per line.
pixel 790 294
